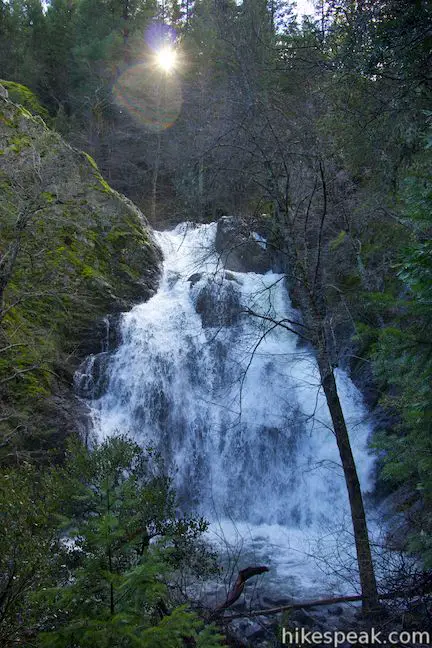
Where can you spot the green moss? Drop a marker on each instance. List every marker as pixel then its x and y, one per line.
pixel 5 184
pixel 26 113
pixel 103 185
pixel 22 95
pixel 81 257
pixel 17 144
pixel 133 274
pixel 350 282
pixel 47 196
pixel 91 161
pixel 89 272
pixel 92 235
pixel 337 242
pixel 11 123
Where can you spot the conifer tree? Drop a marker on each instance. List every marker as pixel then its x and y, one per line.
pixel 124 542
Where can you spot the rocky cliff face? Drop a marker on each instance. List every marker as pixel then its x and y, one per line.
pixel 71 251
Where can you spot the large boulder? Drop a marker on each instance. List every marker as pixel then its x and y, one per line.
pixel 217 301
pixel 83 251
pixel 240 249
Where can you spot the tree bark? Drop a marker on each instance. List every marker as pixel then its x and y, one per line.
pixel 358 516
pixel 300 605
pixel 155 176
pixel 238 587
pixel 125 32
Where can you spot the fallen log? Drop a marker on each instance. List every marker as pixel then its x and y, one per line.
pixel 299 605
pixel 308 604
pixel 244 575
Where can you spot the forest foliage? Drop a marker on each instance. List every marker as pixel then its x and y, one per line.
pixel 90 549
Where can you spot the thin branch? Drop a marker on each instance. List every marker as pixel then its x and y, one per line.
pixel 281 322
pixel 18 373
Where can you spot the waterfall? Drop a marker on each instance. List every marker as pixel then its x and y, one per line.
pixel 233 404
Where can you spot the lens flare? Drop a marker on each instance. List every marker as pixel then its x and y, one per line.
pixel 150 97
pixel 166 58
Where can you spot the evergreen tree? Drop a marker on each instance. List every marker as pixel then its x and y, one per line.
pixel 124 542
pixel 30 549
pixel 402 356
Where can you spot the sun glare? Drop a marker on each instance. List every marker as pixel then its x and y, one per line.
pixel 166 59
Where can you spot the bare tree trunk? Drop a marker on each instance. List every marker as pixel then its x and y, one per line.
pixel 155 179
pixel 364 557
pixel 315 310
pixel 125 31
pixel 201 182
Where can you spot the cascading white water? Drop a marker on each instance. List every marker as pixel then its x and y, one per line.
pixel 235 407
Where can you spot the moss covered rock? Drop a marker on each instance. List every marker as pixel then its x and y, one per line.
pixel 71 251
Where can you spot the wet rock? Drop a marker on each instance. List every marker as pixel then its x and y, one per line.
pixel 218 302
pixel 231 277
pixel 238 249
pixel 172 278
pixel 197 276
pixel 91 379
pixel 307 619
pixel 250 632
pixel 104 335
pixel 336 610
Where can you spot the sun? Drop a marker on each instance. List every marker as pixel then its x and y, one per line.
pixel 166 58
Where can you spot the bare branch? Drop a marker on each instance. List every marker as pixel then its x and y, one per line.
pixel 238 587
pixel 282 322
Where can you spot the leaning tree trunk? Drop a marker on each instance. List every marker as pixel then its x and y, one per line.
pixel 364 557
